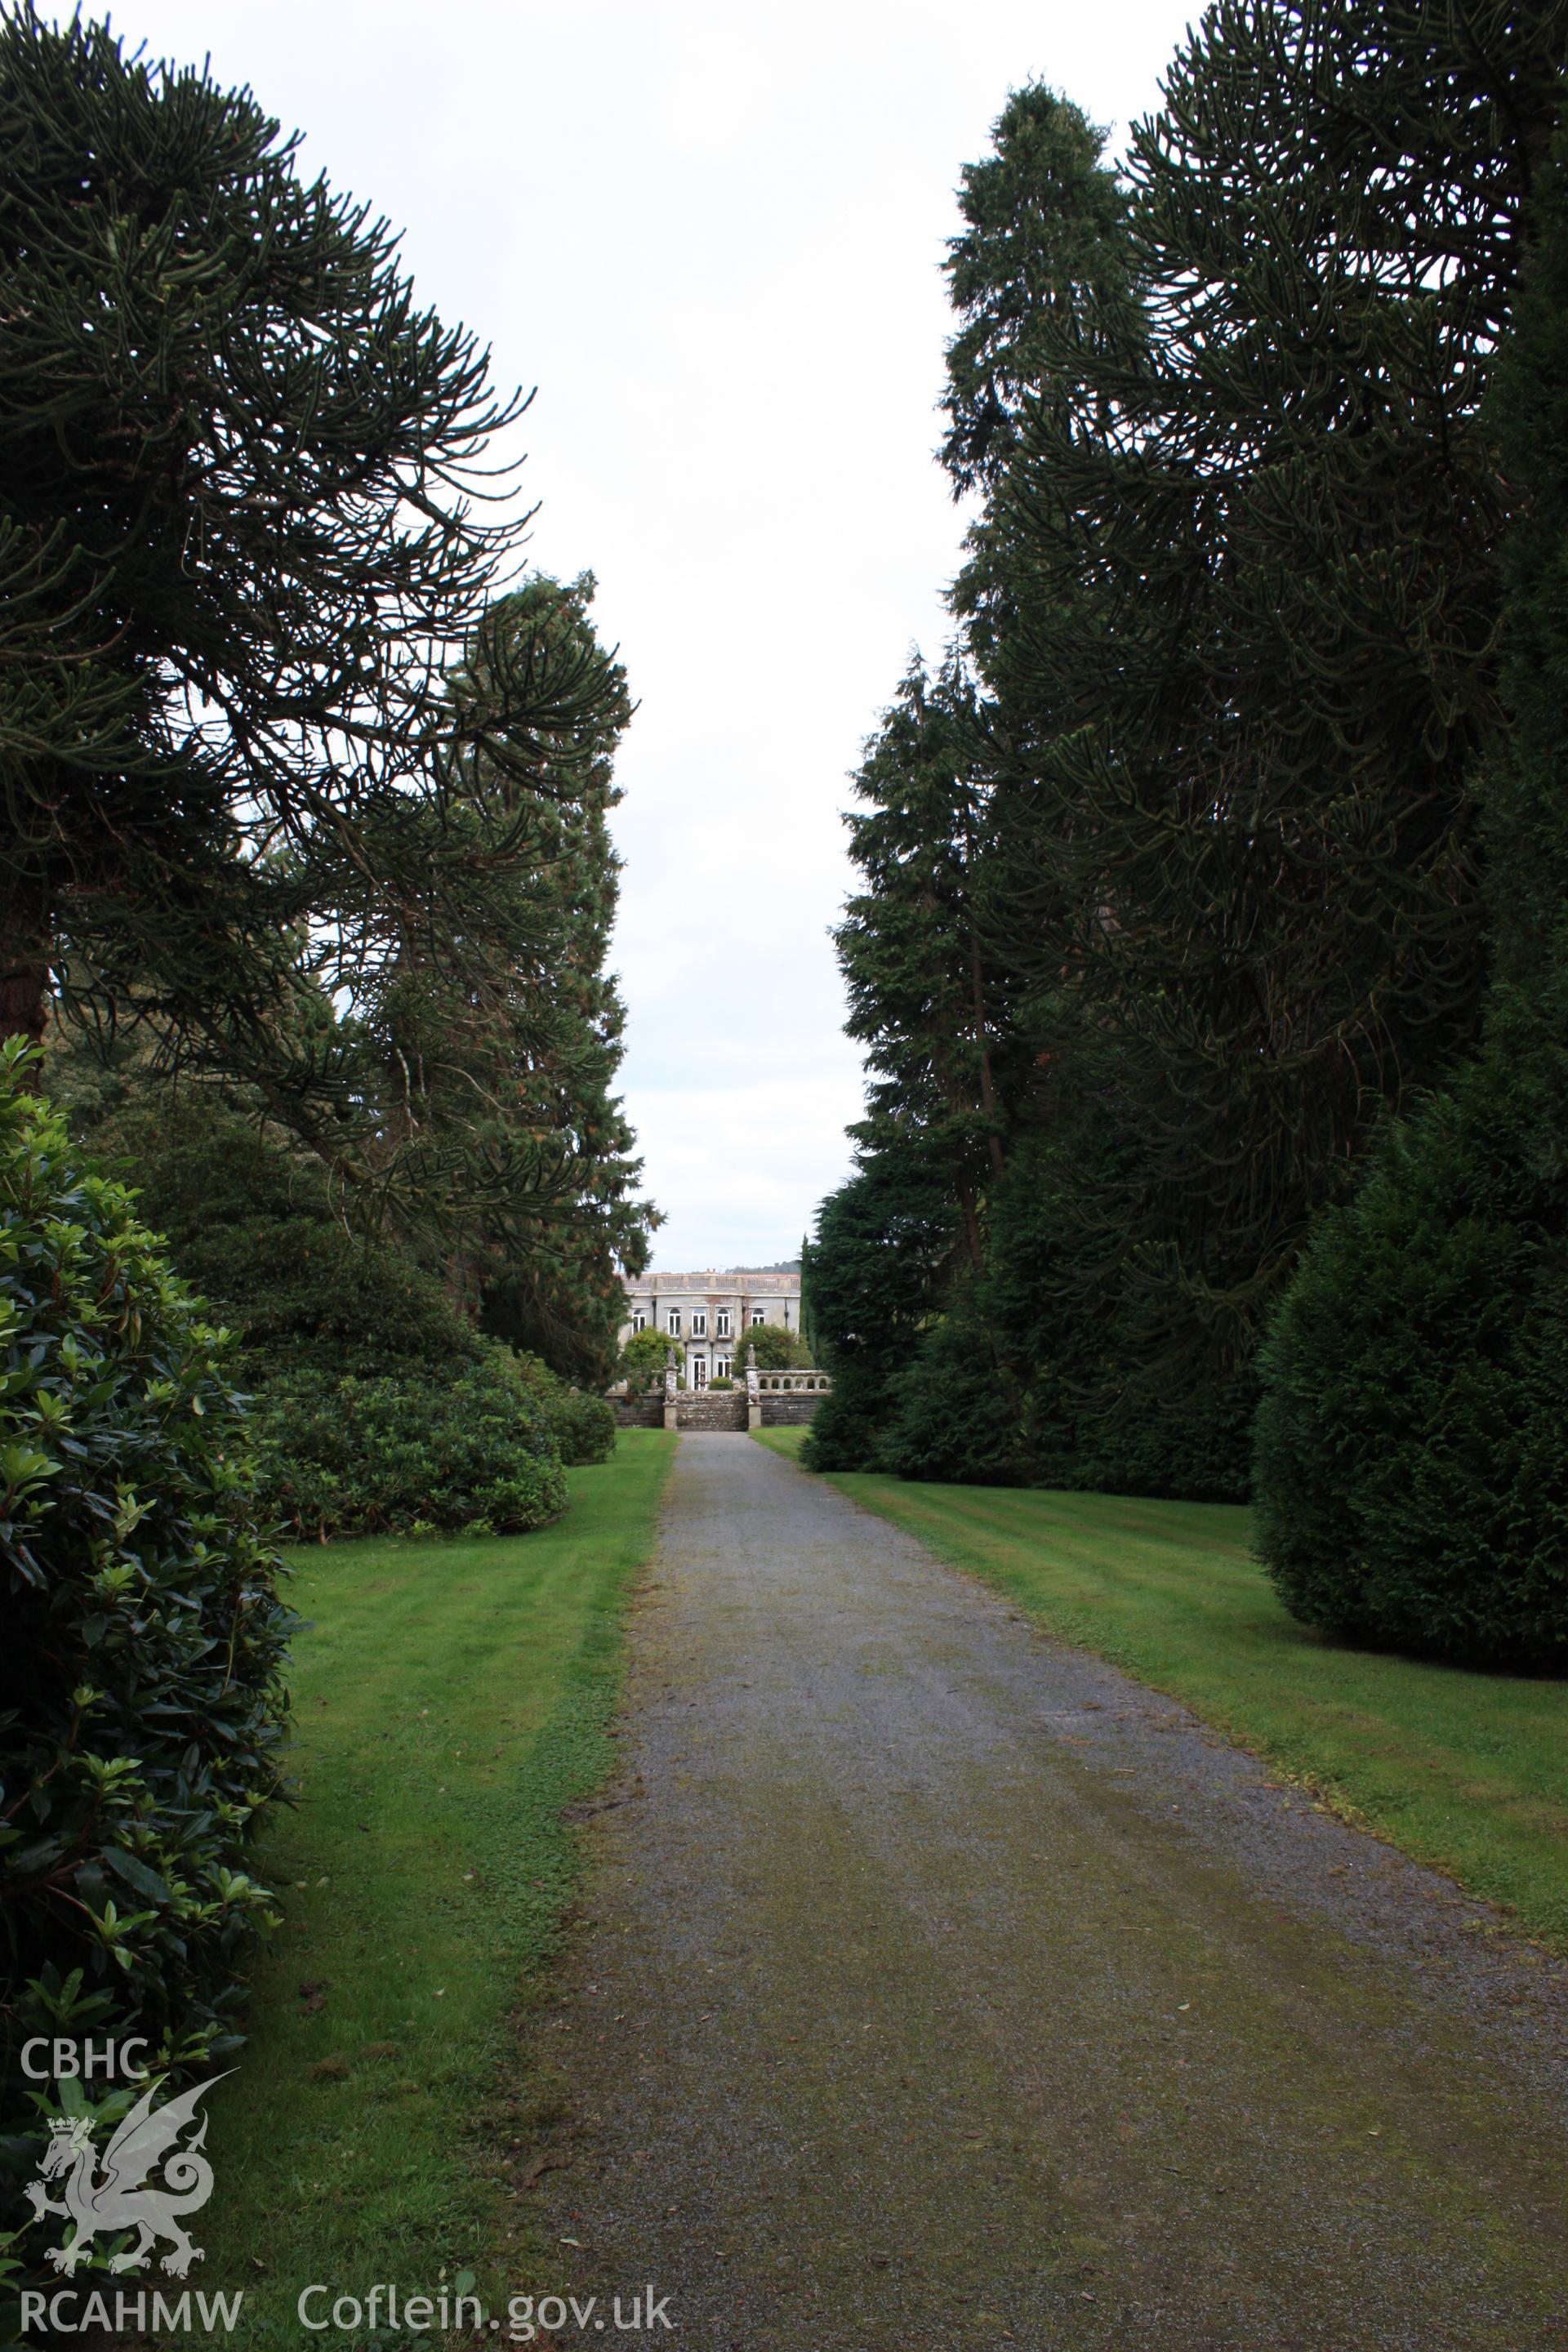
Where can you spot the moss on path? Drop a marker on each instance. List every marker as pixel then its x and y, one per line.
pixel 1466 1771
pixel 942 1987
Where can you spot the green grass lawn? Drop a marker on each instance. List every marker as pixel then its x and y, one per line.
pixel 1467 1771
pixel 449 1699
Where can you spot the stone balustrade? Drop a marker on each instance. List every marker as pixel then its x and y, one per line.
pixel 758 1401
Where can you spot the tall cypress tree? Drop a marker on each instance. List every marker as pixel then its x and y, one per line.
pixel 926 998
pixel 1045 262
pixel 543 1046
pixel 932 1006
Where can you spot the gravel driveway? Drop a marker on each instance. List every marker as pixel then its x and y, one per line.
pixel 942 1987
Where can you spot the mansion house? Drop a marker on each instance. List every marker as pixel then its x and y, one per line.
pixel 709 1315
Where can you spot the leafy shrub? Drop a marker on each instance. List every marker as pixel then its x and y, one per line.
pixel 356 1358
pixel 1412 1478
pixel 777 1349
pixel 141 1711
pixel 406 1452
pixel 582 1427
pixel 643 1359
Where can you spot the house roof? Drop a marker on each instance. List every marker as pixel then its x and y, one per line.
pixel 735 1280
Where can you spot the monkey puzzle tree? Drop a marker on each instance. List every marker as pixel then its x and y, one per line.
pixel 238 547
pixel 1236 597
pixel 1232 606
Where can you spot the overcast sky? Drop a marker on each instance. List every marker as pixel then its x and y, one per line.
pixel 711 236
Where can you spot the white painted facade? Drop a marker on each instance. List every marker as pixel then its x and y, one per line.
pixel 709 1315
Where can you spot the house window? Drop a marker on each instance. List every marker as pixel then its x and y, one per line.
pixel 639 1322
pixel 698 1323
pixel 758 1315
pixel 698 1371
pixel 722 1323
pixel 674 1324
pixel 720 1368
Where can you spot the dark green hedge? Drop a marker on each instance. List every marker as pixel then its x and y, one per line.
pixel 957 1410
pixel 1412 1443
pixel 1028 1371
pixel 846 1431
pixel 258 1230
pixel 956 1416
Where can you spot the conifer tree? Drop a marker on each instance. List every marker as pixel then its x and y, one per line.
pixel 240 544
pixel 926 998
pixel 544 1047
pixel 1232 606
pixel 879 1268
pixel 1410 1475
pixel 1044 260
pixel 1248 605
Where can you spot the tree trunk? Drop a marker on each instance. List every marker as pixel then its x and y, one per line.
pixel 971 1224
pixel 24 973
pixel 987 1092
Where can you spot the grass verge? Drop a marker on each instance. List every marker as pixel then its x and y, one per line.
pixel 1464 1770
pixel 449 1699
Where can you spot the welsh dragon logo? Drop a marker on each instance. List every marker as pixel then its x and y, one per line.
pixel 104 2201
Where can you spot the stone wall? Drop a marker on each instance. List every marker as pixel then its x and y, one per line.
pixel 638 1413
pixel 789 1411
pixel 695 1409
pixel 701 1409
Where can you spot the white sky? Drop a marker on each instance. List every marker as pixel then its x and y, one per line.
pixel 711 236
